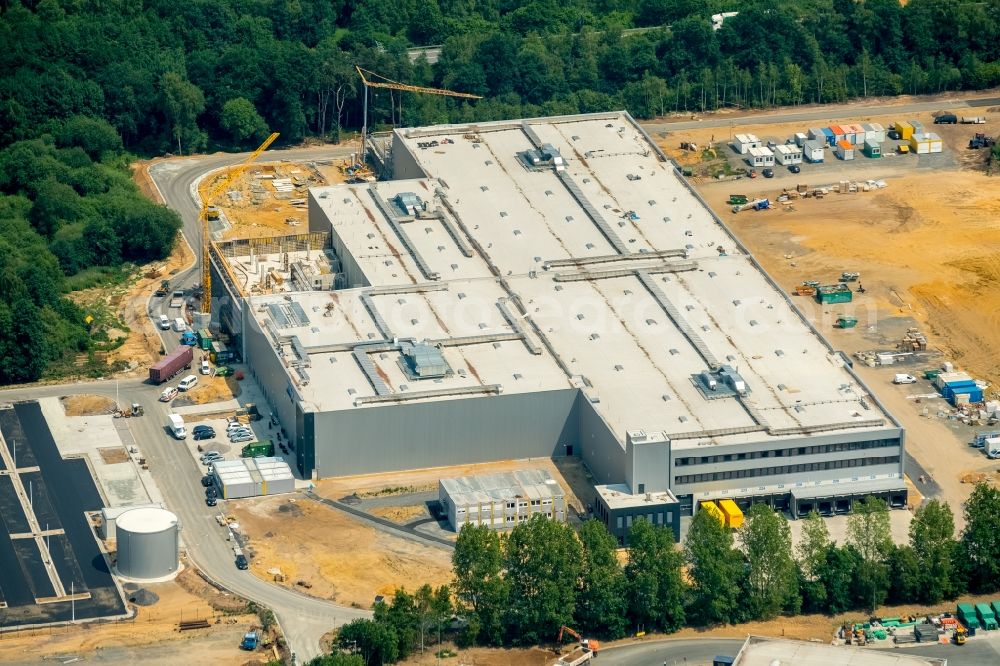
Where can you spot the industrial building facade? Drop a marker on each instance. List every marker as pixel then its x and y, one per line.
pixel 549 287
pixel 502 500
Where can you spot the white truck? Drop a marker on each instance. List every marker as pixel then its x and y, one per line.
pixel 580 655
pixel 973 120
pixel 177 299
pixel 992 448
pixel 176 426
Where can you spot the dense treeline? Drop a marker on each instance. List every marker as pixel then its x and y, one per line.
pixel 67 205
pixel 184 76
pixel 519 588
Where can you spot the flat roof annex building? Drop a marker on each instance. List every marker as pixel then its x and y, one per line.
pixel 548 287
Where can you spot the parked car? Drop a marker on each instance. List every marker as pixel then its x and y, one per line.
pixel 795 168
pixel 188 383
pixel 207 480
pixel 204 434
pixel 768 173
pixel 211 457
pixel 206 369
pixel 223 371
pixel 211 501
pixel 164 322
pixel 241 562
pixel 239 439
pixel 203 426
pixel 211 492
pixel 893 135
pixel 904 379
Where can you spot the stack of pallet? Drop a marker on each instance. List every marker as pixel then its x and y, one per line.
pixel 914 340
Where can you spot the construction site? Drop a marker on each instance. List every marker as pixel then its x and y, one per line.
pixel 561 271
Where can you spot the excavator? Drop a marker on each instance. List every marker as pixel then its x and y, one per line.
pixel 584 652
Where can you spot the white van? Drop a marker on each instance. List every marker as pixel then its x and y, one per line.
pixel 165 322
pixel 206 369
pixel 177 426
pixel 180 325
pixel 188 383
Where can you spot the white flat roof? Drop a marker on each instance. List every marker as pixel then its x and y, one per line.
pixel 618 496
pixel 146 520
pixel 630 309
pixel 764 651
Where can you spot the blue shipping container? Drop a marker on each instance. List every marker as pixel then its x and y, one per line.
pixel 975 395
pixel 831 138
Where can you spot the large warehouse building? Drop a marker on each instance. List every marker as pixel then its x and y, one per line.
pixel 549 287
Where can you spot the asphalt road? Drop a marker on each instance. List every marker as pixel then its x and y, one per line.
pixel 699 652
pixel 823 114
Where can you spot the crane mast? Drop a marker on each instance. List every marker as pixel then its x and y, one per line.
pixel 206 204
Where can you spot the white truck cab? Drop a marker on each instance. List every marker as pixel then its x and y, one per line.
pixel 177 426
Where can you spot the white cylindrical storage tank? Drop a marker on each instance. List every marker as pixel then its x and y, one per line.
pixel 147 543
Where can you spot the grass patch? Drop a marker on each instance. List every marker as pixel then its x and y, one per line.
pixel 99 276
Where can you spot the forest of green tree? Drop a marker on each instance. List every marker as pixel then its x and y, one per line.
pixel 86 84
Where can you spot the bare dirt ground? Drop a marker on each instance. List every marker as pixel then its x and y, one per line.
pixel 112 455
pixel 399 514
pixel 153 626
pixel 570 474
pixel 209 389
pixel 254 208
pixel 87 404
pixel 336 556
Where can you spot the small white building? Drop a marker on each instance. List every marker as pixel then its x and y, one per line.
pixel 813 150
pixel 760 157
pixel 251 477
pixel 788 154
pixel 742 143
pixel 719 19
pixel 874 132
pixel 501 501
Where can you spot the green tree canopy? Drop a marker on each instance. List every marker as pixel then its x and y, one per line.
pixel 770 581
pixel 932 537
pixel 655 587
pixel 479 582
pixel 241 120
pixel 715 568
pixel 981 538
pixel 602 603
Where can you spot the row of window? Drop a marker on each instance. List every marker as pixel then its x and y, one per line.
pixel 485 508
pixel 785 469
pixel 508 519
pixel 626 521
pixel 794 451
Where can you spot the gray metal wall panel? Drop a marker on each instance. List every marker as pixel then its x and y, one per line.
pixel 272 378
pixel 446 432
pixel 600 449
pixel 404 166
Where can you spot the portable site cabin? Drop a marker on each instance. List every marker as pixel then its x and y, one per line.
pixel 838 134
pixel 817 134
pixel 872 148
pixel 760 157
pixel 812 151
pixel 800 139
pixel 788 154
pixel 918 127
pixel 742 143
pixel 829 137
pixel 874 132
pixel 923 144
pixel 905 130
pixel 859 134
pixel 844 150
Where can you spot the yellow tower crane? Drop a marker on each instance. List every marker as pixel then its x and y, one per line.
pixel 206 214
pixel 384 82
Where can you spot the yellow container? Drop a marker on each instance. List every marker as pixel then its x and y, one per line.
pixel 734 517
pixel 714 511
pixel 905 130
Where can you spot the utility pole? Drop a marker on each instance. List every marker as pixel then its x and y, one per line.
pixel 72 599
